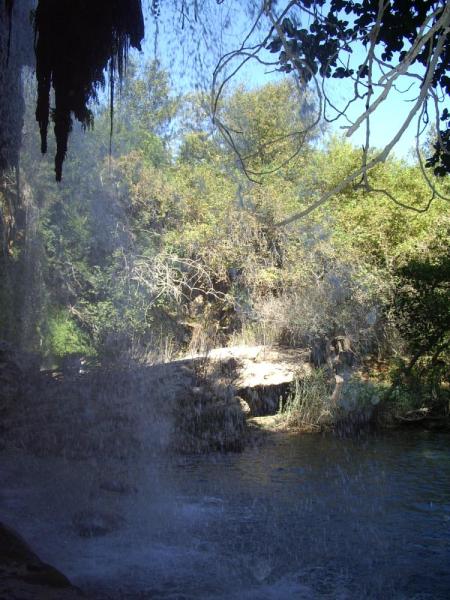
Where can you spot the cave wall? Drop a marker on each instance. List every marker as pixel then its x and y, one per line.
pixel 16 51
pixel 74 43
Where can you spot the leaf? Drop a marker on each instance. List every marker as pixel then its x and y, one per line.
pixel 288 28
pixel 275 45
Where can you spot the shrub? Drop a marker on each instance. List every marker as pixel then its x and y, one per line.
pixel 65 337
pixel 308 405
pixel 421 307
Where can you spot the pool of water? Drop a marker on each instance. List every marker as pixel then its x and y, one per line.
pixel 301 517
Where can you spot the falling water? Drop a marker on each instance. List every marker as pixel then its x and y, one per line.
pixel 309 517
pixel 90 476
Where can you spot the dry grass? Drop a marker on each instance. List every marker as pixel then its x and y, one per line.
pixel 309 403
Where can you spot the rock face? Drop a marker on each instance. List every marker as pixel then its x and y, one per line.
pixel 261 375
pixel 24 576
pixel 114 413
pixel 16 370
pixel 10 376
pixel 196 404
pixel 16 50
pixel 232 385
pixel 206 421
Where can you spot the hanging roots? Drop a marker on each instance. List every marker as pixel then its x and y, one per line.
pixel 75 42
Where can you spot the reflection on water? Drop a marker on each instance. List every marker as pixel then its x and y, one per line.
pixel 306 517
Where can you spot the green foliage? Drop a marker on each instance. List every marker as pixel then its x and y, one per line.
pixel 265 126
pixel 64 337
pixel 422 305
pixel 144 111
pixel 359 394
pixel 168 240
pixel 322 48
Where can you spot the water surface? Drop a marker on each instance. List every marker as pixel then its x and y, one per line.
pixel 303 517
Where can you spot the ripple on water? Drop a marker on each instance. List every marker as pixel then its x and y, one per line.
pixel 310 517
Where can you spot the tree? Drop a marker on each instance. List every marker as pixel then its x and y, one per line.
pixel 400 40
pixel 84 234
pixel 144 111
pixel 265 127
pixel 377 45
pixel 422 305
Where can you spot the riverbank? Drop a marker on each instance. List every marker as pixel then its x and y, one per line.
pixel 202 403
pixel 82 437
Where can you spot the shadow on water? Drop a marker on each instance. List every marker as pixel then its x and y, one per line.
pixel 303 517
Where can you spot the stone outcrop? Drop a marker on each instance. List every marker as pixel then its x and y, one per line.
pixel 16 51
pixel 233 386
pixel 260 375
pixel 17 371
pixel 24 576
pixel 206 421
pixel 195 404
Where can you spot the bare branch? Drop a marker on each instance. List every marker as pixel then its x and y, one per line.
pixel 426 49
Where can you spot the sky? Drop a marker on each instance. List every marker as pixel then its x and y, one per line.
pixel 191 53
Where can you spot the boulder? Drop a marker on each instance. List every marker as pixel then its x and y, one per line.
pixel 260 375
pixel 24 576
pixel 232 385
pixel 16 369
pixel 205 422
pixel 195 404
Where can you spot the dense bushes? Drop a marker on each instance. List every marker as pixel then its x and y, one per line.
pixel 422 307
pixel 168 240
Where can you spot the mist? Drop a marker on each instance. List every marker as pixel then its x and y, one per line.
pixel 213 383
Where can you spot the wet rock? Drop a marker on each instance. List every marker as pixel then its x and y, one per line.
pixel 24 576
pixel 17 369
pixel 10 375
pixel 354 407
pixel 204 422
pixel 193 404
pixel 103 413
pixel 267 424
pixel 351 422
pixel 265 399
pixel 94 524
